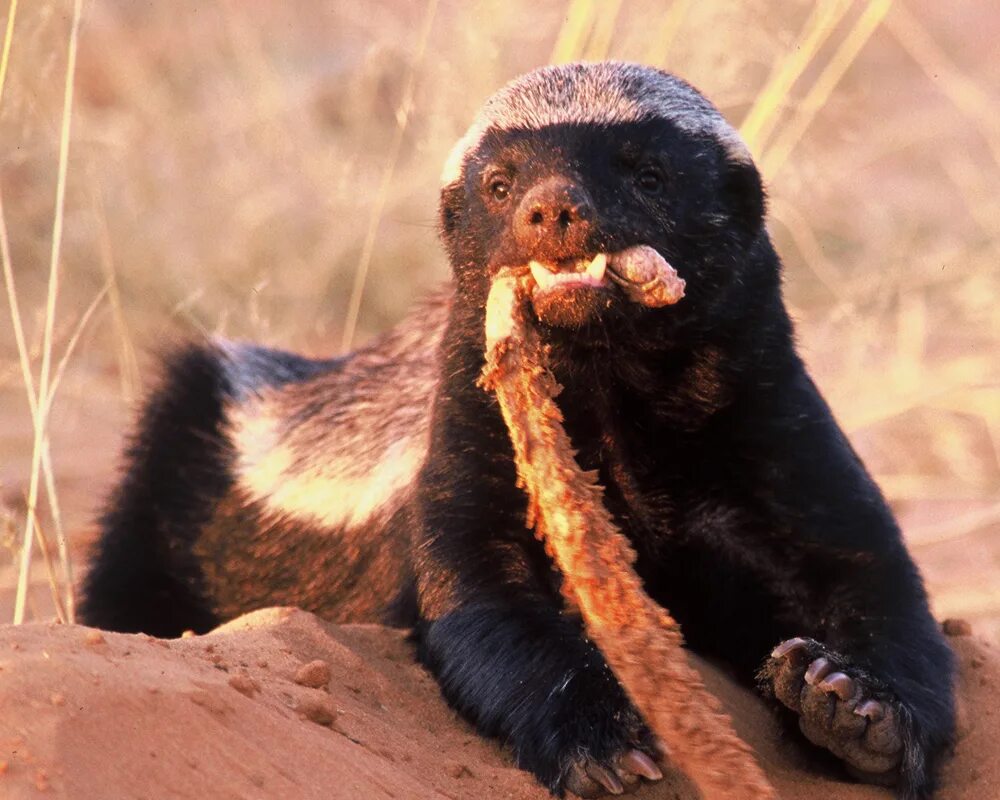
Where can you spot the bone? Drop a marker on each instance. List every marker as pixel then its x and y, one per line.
pixel 640 640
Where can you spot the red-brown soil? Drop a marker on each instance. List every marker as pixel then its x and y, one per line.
pixel 86 714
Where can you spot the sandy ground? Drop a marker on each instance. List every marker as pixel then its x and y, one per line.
pixel 281 704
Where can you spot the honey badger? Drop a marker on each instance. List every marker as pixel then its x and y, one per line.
pixel 381 485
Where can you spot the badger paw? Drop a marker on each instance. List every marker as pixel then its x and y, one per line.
pixel 588 739
pixel 620 774
pixel 841 708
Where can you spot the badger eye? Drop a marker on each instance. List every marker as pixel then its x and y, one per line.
pixel 499 189
pixel 649 179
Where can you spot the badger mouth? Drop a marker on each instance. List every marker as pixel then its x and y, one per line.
pixel 570 273
pixel 570 292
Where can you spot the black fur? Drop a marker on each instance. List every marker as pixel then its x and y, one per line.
pixel 143 577
pixel 753 518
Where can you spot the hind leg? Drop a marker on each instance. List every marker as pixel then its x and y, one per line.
pixel 143 576
pixel 129 591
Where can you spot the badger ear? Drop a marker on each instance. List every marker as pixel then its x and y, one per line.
pixel 450 209
pixel 744 194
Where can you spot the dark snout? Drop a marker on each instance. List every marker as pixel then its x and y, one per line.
pixel 554 220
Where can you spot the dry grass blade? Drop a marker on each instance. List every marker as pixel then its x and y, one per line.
pixel 74 339
pixel 603 31
pixel 574 32
pixel 50 485
pixel 911 340
pixel 66 606
pixel 128 363
pixel 777 154
pixel 978 195
pixel 811 251
pixel 764 112
pixel 378 207
pixel 8 40
pixel 670 24
pixel 24 359
pixel 50 569
pixel 955 528
pixel 44 401
pixel 64 612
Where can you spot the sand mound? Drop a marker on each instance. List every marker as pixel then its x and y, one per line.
pixel 280 704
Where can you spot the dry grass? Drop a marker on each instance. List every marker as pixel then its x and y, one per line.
pixel 269 170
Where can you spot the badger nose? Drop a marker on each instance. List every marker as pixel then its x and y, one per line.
pixel 554 220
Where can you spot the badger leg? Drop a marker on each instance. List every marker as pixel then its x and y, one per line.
pixel 493 628
pixel 526 675
pixel 870 676
pixel 881 702
pixel 143 576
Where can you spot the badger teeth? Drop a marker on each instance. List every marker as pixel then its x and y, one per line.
pixel 543 277
pixel 586 272
pixel 596 268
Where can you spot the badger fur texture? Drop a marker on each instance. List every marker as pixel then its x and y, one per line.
pixel 380 486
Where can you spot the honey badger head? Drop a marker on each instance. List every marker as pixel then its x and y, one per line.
pixel 569 164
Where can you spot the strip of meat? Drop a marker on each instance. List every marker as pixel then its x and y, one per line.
pixel 639 639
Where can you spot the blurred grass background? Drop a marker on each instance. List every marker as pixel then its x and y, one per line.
pixel 242 166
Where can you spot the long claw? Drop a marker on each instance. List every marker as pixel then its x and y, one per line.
pixel 836 709
pixel 638 762
pixel 606 778
pixel 818 670
pixel 840 684
pixel 787 647
pixel 872 709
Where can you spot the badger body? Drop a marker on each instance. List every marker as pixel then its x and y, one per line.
pixel 381 485
pixel 257 477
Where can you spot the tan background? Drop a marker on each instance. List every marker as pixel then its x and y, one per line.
pixel 229 160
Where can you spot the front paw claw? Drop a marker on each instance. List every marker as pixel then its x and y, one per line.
pixel 589 778
pixel 638 763
pixel 840 684
pixel 840 708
